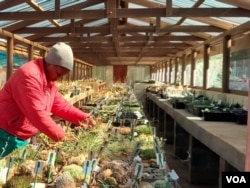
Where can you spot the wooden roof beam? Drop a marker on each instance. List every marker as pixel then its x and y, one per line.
pixel 122 39
pixel 120 28
pixel 128 13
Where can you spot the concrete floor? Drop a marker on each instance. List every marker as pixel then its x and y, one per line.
pixel 181 168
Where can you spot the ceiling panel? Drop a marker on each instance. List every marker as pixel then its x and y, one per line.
pixel 124 31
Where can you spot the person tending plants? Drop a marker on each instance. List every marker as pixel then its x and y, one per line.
pixel 30 96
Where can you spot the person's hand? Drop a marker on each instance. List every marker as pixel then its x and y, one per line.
pixel 88 122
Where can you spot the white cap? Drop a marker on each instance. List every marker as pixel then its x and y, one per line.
pixel 60 54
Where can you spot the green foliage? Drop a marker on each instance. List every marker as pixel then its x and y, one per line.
pixel 147 153
pixel 87 141
pixel 143 129
pixel 18 182
pixel 74 170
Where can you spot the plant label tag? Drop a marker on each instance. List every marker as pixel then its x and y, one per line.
pixel 119 114
pixel 138 170
pixel 153 130
pixel 138 145
pixel 136 150
pixel 157 147
pixel 93 163
pixel 173 175
pixel 24 154
pixel 160 160
pixel 98 106
pixel 116 132
pixel 109 123
pixel 84 185
pixel 3 174
pixel 39 167
pixel 51 158
pixel 10 162
pixel 58 152
pixel 91 155
pixel 100 151
pixel 87 167
pixel 134 184
pixel 219 102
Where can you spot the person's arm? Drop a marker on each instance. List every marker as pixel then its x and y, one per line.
pixel 62 108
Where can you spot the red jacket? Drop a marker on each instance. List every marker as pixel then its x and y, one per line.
pixel 27 100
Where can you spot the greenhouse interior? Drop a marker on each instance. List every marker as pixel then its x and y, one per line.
pixel 157 94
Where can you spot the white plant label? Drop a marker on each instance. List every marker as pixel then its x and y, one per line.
pixel 109 123
pixel 87 167
pixel 10 162
pixel 160 160
pixel 3 174
pixel 91 155
pixel 51 158
pixel 157 146
pixel 153 131
pixel 84 185
pixel 24 154
pixel 138 170
pixel 39 167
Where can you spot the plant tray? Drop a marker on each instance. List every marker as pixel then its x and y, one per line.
pixel 178 105
pixel 241 118
pixel 189 108
pixel 219 116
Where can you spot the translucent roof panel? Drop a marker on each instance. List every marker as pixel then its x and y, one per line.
pixel 214 3
pixel 188 21
pixel 50 5
pixel 180 34
pixel 170 20
pixel 6 23
pixel 205 4
pixel 97 23
pixel 17 8
pixel 44 23
pixel 137 22
pixel 95 7
pixel 233 20
pixel 190 3
pixel 132 5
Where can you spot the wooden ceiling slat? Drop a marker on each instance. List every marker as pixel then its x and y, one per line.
pixel 129 13
pixel 121 39
pixel 121 28
pixel 165 44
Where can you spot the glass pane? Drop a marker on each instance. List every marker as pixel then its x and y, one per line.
pixel 198 73
pixel 178 75
pixel 173 73
pixel 167 74
pixel 187 80
pixel 215 71
pixel 239 70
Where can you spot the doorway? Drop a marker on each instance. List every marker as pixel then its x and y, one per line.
pixel 120 73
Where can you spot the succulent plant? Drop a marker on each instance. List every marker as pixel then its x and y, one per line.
pixel 75 171
pixel 65 180
pixel 161 184
pixel 18 182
